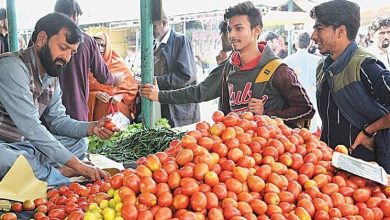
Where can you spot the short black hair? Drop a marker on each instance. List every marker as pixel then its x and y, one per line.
pixel 245 8
pixel 378 23
pixel 68 7
pixel 222 27
pixel 303 40
pixel 270 36
pixel 338 12
pixel 52 23
pixel 3 13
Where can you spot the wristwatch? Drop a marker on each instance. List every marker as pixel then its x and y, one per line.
pixel 370 135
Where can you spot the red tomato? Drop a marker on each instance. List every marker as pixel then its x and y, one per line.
pixel 57 213
pixel 39 201
pixel 116 181
pixel 76 215
pixel 215 214
pixel 145 215
pixel 165 199
pixel 17 207
pixel 63 189
pixel 129 212
pixel 42 208
pixel 39 215
pixel 361 195
pixel 9 216
pixel 198 201
pixel 71 208
pixel 218 116
pixel 109 125
pixel 163 213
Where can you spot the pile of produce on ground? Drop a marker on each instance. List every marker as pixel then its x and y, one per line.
pixel 247 167
pixel 135 142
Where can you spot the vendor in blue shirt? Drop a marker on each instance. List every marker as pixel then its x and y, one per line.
pixel 30 89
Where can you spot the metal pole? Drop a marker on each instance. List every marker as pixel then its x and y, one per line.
pixel 12 26
pixel 289 47
pixel 147 60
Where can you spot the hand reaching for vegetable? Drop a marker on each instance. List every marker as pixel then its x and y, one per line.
pixel 74 167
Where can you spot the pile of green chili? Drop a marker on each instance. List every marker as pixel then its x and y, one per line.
pixel 142 142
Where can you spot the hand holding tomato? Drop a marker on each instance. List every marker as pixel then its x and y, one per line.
pixel 103 128
pixel 109 125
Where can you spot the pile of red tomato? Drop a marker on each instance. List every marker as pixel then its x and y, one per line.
pixel 248 167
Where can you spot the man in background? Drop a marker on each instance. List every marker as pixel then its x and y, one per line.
pixel 380 35
pixel 210 88
pixel 3 31
pixel 74 80
pixel 174 68
pixel 226 46
pixel 304 65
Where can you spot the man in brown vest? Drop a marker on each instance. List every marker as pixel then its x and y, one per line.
pixel 29 89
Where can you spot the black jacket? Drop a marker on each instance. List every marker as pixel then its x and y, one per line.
pixel 181 73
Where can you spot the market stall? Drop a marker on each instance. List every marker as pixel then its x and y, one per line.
pixel 251 167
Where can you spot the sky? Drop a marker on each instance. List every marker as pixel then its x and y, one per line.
pixel 29 11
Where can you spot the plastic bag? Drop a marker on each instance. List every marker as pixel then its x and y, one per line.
pixel 120 120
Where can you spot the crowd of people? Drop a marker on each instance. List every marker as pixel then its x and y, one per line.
pixel 66 82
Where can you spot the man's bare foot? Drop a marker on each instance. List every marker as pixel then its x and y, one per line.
pixel 67 171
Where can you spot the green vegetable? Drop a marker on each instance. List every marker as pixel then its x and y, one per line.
pixel 135 142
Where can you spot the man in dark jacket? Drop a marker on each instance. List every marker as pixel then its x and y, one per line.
pixel 174 68
pixel 210 88
pixel 352 85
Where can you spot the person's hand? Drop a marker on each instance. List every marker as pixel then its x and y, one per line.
pixel 116 98
pixel 149 91
pixel 102 96
pixel 256 106
pixel 93 173
pixel 221 57
pixel 362 139
pixel 99 129
pixel 82 169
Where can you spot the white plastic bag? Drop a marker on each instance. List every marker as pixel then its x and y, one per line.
pixel 120 120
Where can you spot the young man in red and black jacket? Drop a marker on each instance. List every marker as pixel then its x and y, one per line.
pixel 235 80
pixel 273 93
